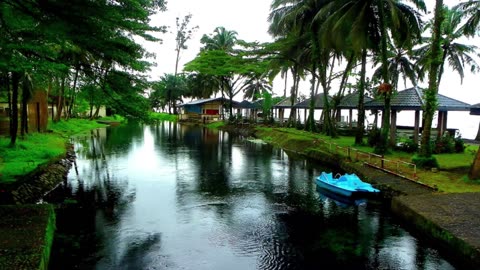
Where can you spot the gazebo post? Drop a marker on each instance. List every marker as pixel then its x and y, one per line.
pixel 305 115
pixel 441 125
pixel 393 127
pixel 350 113
pixel 281 112
pixel 416 128
pixel 445 115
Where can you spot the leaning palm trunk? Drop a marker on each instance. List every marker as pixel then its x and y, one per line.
pixel 382 145
pixel 293 98
pixel 310 123
pixel 431 93
pixel 361 94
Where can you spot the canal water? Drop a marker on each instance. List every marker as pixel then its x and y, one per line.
pixel 170 196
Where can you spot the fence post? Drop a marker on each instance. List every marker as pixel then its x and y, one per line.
pixel 382 162
pixel 348 152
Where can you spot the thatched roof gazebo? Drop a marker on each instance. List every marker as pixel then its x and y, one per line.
pixel 411 99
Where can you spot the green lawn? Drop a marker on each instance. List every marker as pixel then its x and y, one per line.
pixel 38 148
pixel 451 177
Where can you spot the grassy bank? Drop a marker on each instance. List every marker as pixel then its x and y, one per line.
pixel 451 177
pixel 38 148
pixel 154 116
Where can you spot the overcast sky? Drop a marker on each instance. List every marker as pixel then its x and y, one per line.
pixel 249 19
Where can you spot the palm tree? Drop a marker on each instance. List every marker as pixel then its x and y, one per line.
pixel 223 40
pixel 457 54
pixel 471 10
pixel 300 17
pixel 256 86
pixel 400 66
pixel 435 58
pixel 368 25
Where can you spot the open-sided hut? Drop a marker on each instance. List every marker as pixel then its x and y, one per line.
pixel 411 99
pixel 319 103
pixel 350 102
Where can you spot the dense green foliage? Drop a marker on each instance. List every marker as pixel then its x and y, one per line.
pixel 162 117
pixel 66 47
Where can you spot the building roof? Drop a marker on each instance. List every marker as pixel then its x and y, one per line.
pixel 203 101
pixel 284 103
pixel 412 99
pixel 350 101
pixel 245 104
pixel 318 99
pixel 475 109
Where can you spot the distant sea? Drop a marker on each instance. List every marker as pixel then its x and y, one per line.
pixel 466 124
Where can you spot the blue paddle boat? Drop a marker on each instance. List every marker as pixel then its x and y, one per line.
pixel 346 185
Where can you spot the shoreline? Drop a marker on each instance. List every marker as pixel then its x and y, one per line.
pixel 440 217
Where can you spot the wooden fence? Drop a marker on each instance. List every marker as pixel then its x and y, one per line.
pixel 400 168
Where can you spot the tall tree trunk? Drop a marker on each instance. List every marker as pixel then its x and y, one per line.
pixel 293 97
pixel 382 146
pixel 9 97
pixel 14 108
pixel 477 138
pixel 310 123
pixel 431 92
pixel 24 117
pixel 72 98
pixel 361 95
pixel 60 100
pixel 97 111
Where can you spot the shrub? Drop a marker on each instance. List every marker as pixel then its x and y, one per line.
pixel 374 137
pixel 425 162
pixel 459 145
pixel 299 125
pixel 408 146
pixel 448 144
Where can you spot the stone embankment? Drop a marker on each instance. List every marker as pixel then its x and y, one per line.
pixel 32 187
pixel 27 228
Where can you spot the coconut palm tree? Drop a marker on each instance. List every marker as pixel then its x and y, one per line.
pixel 471 10
pixel 300 17
pixel 368 25
pixel 401 65
pixel 435 58
pixel 256 86
pixel 222 40
pixel 458 55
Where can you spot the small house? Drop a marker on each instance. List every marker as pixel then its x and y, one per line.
pixel 204 110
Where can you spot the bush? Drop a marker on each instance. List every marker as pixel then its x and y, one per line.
pixel 408 146
pixel 425 162
pixel 374 137
pixel 459 145
pixel 448 144
pixel 299 125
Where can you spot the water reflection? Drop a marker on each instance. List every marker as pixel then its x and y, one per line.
pixel 182 197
